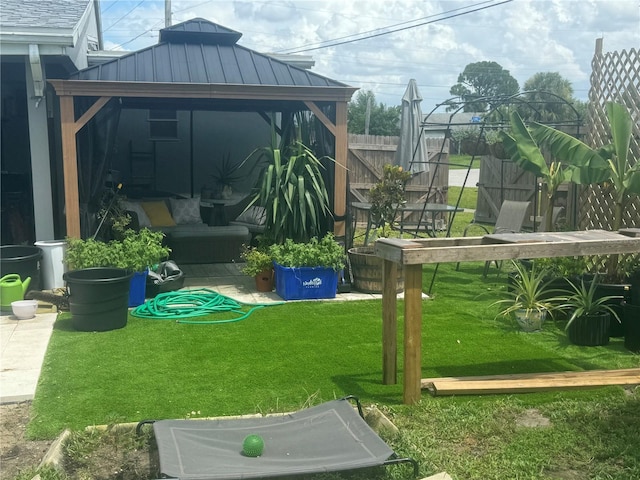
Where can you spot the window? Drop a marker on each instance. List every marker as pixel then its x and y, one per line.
pixel 163 125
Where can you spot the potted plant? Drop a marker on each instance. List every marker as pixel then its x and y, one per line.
pixel 258 264
pixel 385 196
pixel 292 191
pixel 590 314
pixel 136 252
pixel 529 297
pixel 631 307
pixel 307 270
pixel 225 174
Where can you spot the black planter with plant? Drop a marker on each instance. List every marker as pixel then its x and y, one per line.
pixel 136 252
pixel 631 311
pixel 98 298
pixel 590 314
pixel 590 330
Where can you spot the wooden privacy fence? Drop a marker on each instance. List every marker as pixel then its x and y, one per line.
pixel 367 155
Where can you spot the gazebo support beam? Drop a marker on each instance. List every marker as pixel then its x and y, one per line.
pixel 69 128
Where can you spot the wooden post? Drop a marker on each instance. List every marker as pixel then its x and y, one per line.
pixel 340 182
pixel 389 323
pixel 412 333
pixel 70 166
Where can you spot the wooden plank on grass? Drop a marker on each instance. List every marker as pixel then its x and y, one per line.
pixel 529 382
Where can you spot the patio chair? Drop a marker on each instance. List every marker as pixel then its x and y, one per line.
pixel 555 218
pixel 330 437
pixel 510 220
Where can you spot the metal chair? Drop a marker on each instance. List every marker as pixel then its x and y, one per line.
pixel 510 220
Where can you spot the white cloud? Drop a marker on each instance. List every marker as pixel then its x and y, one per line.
pixel 524 36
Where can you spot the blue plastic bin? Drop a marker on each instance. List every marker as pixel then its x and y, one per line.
pixel 305 283
pixel 137 288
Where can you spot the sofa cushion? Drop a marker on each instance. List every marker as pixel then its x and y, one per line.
pixel 254 215
pixel 136 207
pixel 185 210
pixel 158 213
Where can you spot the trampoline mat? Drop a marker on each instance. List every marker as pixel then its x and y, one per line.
pixel 327 438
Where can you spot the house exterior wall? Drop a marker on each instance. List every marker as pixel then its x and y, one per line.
pixel 26 150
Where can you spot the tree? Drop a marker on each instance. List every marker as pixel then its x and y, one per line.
pixel 383 120
pixel 549 96
pixel 482 79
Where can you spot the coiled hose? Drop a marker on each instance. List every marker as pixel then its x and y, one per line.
pixel 184 305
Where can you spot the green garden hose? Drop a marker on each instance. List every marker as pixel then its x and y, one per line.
pixel 183 305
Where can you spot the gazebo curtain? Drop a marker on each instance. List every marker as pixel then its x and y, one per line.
pixel 95 144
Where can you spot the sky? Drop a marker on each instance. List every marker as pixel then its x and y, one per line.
pixel 429 40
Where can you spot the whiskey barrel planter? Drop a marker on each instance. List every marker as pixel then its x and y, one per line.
pixel 366 268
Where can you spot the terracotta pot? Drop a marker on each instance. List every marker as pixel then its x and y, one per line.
pixel 264 280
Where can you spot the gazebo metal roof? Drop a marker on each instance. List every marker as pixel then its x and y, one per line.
pixel 199 51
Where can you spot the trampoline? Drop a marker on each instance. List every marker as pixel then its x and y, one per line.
pixel 330 437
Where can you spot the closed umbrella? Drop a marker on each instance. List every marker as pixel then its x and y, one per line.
pixel 411 153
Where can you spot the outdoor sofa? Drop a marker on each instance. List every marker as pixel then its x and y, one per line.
pixel 191 239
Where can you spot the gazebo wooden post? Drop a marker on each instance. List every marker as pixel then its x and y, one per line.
pixel 70 166
pixel 69 128
pixel 340 179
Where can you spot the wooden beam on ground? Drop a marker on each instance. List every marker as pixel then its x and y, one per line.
pixel 529 382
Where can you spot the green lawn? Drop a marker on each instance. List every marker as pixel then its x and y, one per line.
pixel 463 161
pixel 282 355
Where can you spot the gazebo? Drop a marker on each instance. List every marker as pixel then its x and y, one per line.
pixel 195 65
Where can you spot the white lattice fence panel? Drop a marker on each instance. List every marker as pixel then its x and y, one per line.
pixel 615 77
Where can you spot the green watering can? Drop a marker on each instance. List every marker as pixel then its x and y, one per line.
pixel 12 289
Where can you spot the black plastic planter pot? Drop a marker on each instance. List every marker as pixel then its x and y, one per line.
pixel 590 330
pixel 98 298
pixel 23 260
pixel 622 290
pixel 632 327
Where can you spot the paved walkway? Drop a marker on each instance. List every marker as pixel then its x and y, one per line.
pixel 456 177
pixel 23 344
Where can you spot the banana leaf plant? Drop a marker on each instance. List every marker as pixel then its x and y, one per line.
pixel 523 150
pixel 609 164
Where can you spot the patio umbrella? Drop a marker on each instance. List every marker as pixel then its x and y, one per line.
pixel 411 153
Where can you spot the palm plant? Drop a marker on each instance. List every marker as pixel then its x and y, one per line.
pixel 584 301
pixel 293 192
pixel 529 297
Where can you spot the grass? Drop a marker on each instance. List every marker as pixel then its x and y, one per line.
pixel 457 162
pixel 284 357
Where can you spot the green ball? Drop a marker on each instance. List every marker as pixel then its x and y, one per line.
pixel 253 445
